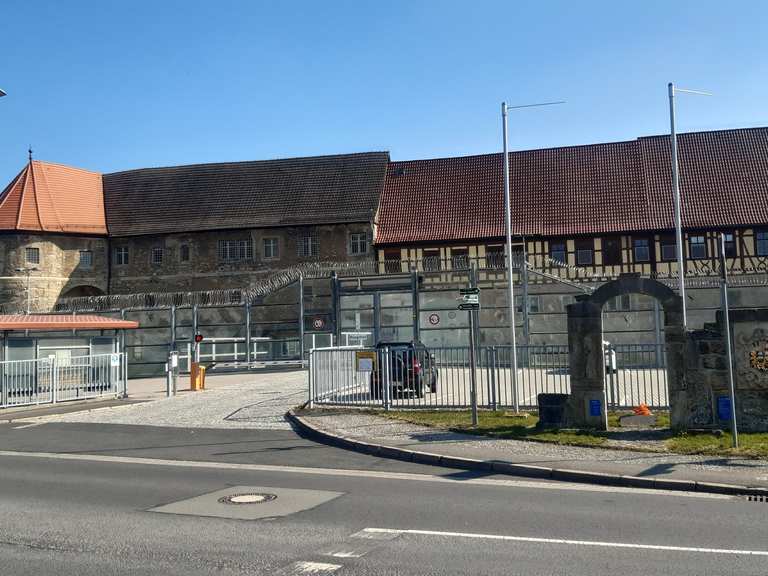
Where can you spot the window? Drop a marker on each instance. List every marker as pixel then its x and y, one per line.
pixel 308 292
pixel 121 256
pixel 184 253
pixel 358 243
pixel 697 246
pixel 86 259
pixel 431 259
pixel 494 257
pixel 392 261
pixel 235 250
pixel 33 255
pixel 730 245
pixel 459 258
pixel 642 248
pixel 611 251
pixel 308 246
pixel 761 242
pixel 157 255
pixel 668 248
pixel 585 252
pixel 557 251
pixel 289 348
pixel 270 249
pixel 534 304
pixel 621 303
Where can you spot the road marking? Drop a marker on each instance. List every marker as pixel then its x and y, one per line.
pixel 372 474
pixel 314 568
pixel 28 425
pixel 347 553
pixel 569 542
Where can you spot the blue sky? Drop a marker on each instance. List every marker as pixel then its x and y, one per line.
pixel 117 85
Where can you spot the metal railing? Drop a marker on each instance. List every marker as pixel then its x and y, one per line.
pixel 51 380
pixel 417 377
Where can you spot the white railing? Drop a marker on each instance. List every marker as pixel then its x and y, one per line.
pixel 51 380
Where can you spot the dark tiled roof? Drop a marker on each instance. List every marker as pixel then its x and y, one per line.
pixel 294 191
pixel 594 189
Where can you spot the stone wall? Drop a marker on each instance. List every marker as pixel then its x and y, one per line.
pixel 59 271
pixel 707 372
pixel 206 271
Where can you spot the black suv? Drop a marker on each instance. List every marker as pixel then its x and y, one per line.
pixel 412 368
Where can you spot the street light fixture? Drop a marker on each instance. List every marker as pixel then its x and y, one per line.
pixel 27 271
pixel 2 93
pixel 676 192
pixel 508 223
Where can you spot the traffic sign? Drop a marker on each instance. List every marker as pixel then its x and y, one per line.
pixel 467 306
pixel 198 338
pixel 463 291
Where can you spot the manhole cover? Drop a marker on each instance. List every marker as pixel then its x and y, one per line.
pixel 248 498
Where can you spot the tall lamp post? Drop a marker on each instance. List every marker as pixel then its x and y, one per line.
pixel 508 224
pixel 676 193
pixel 27 271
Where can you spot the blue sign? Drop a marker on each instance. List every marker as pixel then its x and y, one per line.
pixel 595 408
pixel 724 407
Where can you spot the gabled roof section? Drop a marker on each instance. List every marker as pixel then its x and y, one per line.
pixel 46 197
pixel 594 189
pixel 286 192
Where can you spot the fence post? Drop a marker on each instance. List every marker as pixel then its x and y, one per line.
pixel 54 379
pixel 386 385
pixel 492 370
pixel 310 378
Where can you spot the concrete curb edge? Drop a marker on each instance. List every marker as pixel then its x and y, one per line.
pixel 512 469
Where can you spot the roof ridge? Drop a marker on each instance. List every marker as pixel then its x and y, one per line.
pixel 242 162
pixel 68 166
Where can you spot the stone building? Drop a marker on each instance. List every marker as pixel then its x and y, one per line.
pixel 68 232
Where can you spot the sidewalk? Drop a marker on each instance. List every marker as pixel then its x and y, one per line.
pixel 637 468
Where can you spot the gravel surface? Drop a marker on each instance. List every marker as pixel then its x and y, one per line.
pixel 255 401
pixel 404 434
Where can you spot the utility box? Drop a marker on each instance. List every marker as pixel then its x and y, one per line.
pixel 196 376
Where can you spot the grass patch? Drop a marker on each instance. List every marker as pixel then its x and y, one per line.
pixel 497 424
pixel 753 445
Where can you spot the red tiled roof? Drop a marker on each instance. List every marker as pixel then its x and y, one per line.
pixel 593 189
pixel 55 322
pixel 47 197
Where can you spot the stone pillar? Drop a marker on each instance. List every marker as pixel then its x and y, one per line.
pixel 585 353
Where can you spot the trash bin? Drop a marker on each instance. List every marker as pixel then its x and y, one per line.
pixel 197 376
pixel 552 410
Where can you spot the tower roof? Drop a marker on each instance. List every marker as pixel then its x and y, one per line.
pixel 46 197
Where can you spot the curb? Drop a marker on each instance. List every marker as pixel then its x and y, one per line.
pixel 512 469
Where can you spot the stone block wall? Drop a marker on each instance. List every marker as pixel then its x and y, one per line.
pixel 59 270
pixel 706 374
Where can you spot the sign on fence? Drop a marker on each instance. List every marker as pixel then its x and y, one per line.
pixel 365 360
pixel 114 360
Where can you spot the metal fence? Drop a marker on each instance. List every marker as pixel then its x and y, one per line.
pixel 417 377
pixel 50 380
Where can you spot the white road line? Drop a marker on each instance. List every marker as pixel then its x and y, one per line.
pixel 314 568
pixel 346 553
pixel 632 546
pixel 373 474
pixel 28 425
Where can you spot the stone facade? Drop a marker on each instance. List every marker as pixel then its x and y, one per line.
pixel 707 373
pixel 61 268
pixel 206 268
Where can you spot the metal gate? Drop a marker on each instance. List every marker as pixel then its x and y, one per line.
pixel 635 374
pixel 54 379
pixel 413 376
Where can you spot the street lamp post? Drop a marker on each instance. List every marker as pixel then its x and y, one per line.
pixel 27 271
pixel 508 224
pixel 676 193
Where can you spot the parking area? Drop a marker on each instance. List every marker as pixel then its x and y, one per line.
pixel 242 400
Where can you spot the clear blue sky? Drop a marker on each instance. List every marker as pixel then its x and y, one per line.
pixel 117 85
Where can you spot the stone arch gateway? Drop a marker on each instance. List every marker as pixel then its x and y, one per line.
pixel 586 356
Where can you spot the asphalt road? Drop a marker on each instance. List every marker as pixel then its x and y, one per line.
pixel 78 499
